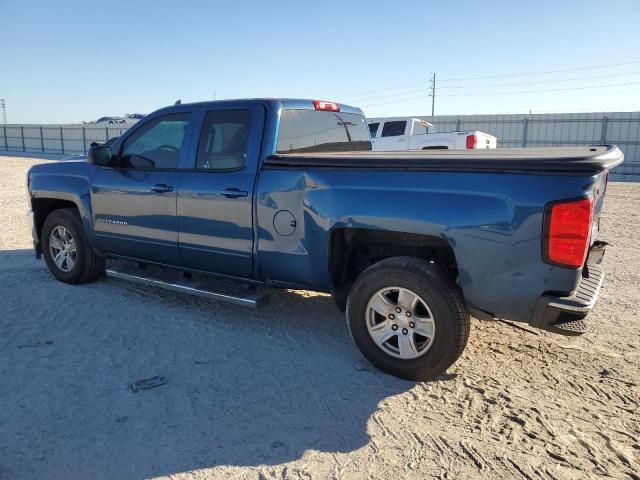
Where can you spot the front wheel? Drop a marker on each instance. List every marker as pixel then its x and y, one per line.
pixel 66 249
pixel 408 318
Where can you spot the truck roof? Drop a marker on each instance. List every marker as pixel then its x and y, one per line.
pixel 391 119
pixel 289 103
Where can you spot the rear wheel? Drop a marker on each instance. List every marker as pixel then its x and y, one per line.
pixel 66 249
pixel 408 318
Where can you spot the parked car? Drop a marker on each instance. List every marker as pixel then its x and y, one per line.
pixel 287 194
pixel 404 133
pixel 111 120
pixel 108 142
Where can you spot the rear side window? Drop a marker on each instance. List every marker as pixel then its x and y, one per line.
pixel 157 144
pixel 394 128
pixel 373 129
pixel 224 140
pixel 308 131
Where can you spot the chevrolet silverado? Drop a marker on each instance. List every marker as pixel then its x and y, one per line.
pixel 287 193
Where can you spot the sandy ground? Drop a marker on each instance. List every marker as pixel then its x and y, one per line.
pixel 283 393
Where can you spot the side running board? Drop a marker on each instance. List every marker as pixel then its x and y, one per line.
pixel 201 286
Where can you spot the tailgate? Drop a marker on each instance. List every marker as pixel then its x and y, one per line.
pixel 486 141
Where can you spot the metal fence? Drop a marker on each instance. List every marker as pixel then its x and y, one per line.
pixel 62 139
pixel 620 128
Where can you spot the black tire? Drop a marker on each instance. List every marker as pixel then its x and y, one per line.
pixel 88 266
pixel 444 299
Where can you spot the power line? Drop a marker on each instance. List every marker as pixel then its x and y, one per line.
pixel 555 109
pixel 423 82
pixel 537 107
pixel 500 85
pixel 503 85
pixel 576 105
pixel 540 82
pixel 393 101
pixel 590 67
pixel 571 99
pixel 398 94
pixel 402 100
pixel 541 91
pixel 382 89
pixel 567 102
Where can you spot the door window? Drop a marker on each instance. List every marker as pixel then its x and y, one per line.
pixel 394 128
pixel 373 129
pixel 307 131
pixel 224 140
pixel 157 144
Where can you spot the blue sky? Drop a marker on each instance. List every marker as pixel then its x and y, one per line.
pixel 72 60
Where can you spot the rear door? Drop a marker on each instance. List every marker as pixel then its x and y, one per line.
pixel 215 206
pixel 134 203
pixel 392 136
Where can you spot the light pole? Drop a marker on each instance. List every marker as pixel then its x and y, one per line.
pixel 3 104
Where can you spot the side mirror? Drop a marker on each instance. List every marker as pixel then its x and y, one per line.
pixel 100 155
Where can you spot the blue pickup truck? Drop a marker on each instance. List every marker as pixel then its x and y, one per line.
pixel 286 193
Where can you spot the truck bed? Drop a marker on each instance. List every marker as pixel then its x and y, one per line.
pixel 569 160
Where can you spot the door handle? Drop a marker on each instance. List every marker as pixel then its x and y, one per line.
pixel 161 188
pixel 233 193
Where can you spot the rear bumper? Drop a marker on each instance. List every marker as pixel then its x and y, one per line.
pixel 565 315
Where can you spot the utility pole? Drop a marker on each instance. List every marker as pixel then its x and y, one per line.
pixel 3 105
pixel 433 95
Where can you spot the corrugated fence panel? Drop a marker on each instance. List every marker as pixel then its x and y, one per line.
pixel 559 129
pixel 58 139
pixel 52 140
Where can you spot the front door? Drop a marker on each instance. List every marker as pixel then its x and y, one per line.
pixel 134 204
pixel 215 196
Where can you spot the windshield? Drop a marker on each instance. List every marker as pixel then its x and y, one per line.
pixel 308 131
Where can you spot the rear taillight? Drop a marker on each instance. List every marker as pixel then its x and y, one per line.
pixel 329 106
pixel 567 229
pixel 471 142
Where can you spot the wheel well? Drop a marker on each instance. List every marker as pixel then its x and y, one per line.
pixel 352 250
pixel 42 207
